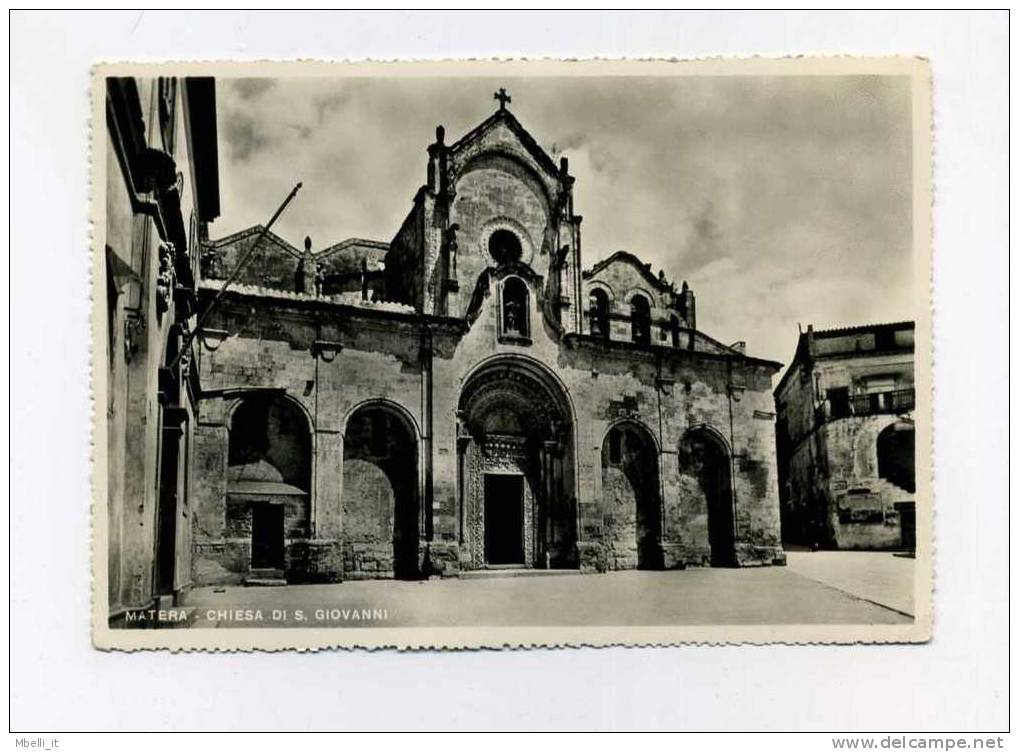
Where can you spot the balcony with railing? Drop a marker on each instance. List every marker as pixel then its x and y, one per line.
pixel 880 403
pixel 894 402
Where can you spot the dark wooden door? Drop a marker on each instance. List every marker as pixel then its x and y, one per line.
pixel 267 536
pixel 504 519
pixel 907 522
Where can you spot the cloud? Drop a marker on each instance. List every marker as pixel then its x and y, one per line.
pixel 243 137
pixel 250 88
pixel 705 243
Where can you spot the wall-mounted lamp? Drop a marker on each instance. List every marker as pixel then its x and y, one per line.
pixel 325 349
pixel 213 338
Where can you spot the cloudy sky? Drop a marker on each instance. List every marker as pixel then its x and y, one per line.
pixel 780 199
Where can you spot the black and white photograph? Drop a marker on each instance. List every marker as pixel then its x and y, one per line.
pixel 614 351
pixel 460 372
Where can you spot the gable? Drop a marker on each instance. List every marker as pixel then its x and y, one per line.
pixel 347 257
pixel 503 134
pixel 273 264
pixel 623 274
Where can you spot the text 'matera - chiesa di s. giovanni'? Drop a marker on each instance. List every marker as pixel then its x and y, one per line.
pixel 468 396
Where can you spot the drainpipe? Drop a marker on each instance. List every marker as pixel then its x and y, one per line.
pixel 315 447
pixel 661 459
pixel 732 456
pixel 426 428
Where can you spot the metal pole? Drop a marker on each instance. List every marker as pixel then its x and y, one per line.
pixel 233 277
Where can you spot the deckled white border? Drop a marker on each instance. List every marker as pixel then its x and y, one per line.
pixel 958 680
pixel 269 638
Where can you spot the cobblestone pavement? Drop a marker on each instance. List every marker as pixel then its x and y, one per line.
pixel 878 576
pixel 770 595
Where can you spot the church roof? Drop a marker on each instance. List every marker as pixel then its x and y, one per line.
pixel 254 230
pixel 526 139
pixel 625 257
pixel 355 244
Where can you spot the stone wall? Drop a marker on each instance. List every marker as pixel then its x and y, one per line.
pixel 495 193
pixel 145 263
pixel 405 259
pixel 832 489
pixel 837 499
pixel 380 358
pixel 380 516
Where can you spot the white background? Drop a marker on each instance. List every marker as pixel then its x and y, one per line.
pixel 59 683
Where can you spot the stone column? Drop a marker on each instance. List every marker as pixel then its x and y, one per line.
pixel 325 546
pixel 590 553
pixel 209 556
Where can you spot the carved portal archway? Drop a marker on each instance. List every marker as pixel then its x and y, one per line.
pixel 515 451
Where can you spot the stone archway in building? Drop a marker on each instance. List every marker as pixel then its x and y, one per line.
pixel 704 456
pixel 382 524
pixel 516 473
pixel 268 480
pixel 896 458
pixel 631 497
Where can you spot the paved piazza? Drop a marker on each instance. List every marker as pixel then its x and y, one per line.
pixel 816 588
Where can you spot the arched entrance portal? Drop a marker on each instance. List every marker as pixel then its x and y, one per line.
pixel 515 447
pixel 381 513
pixel 703 456
pixel 896 455
pixel 631 498
pixel 268 480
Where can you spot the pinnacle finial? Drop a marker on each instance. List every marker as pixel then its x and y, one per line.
pixel 503 98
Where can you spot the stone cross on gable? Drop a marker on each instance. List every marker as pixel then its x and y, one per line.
pixel 503 98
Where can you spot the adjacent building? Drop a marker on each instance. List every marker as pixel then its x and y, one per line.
pixel 845 437
pixel 467 395
pixel 161 192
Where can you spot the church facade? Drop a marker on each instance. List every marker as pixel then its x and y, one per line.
pixel 469 396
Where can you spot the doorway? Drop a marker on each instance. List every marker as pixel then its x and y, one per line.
pixel 504 520
pixel 907 523
pixel 267 536
pixel 166 533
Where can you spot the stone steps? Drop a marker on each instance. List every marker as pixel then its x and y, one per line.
pixel 488 574
pixel 265 578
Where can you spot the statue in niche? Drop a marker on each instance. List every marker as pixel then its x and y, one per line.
pixel 211 263
pixel 320 277
pixel 451 249
pixel 512 316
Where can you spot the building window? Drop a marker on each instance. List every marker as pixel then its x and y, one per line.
pixel 838 401
pixel 674 330
pixel 640 320
pixel 598 306
pixel 515 309
pixel 504 247
pixel 167 92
